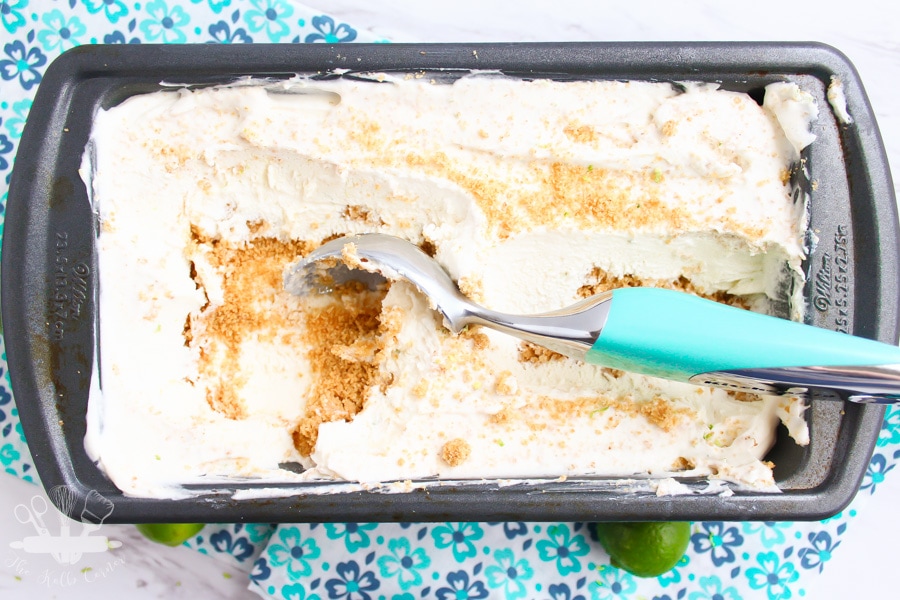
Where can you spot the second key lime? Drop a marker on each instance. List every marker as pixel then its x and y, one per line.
pixel 645 549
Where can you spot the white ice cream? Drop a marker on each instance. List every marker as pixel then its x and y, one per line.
pixel 838 100
pixel 531 194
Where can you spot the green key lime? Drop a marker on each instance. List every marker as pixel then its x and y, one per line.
pixel 170 534
pixel 644 549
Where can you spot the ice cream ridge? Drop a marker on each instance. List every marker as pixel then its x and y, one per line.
pixel 531 194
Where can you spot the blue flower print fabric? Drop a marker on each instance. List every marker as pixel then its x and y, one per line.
pixel 367 561
pixel 557 561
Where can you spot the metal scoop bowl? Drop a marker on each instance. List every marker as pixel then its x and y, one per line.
pixel 375 257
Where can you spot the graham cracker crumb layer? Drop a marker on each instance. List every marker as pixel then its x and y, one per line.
pixel 661 412
pixel 556 191
pixel 339 336
pixel 599 281
pixel 253 307
pixel 343 344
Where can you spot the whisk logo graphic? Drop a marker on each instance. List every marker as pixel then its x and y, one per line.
pixel 66 546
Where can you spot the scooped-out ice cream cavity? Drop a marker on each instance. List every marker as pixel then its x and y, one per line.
pixel 531 194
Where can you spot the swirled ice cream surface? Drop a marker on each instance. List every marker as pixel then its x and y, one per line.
pixel 531 194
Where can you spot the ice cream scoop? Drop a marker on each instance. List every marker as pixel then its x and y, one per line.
pixel 651 331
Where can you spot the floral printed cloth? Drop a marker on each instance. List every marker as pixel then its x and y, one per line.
pixel 363 561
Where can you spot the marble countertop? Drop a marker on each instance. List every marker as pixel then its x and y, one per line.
pixel 864 31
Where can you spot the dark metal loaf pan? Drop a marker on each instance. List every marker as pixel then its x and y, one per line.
pixel 50 285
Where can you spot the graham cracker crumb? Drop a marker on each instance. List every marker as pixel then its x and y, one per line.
pixel 428 247
pixel 480 340
pixel 420 389
pixel 582 134
pixel 349 256
pixel 357 212
pixel 225 400
pixel 504 416
pixel 506 384
pixel 471 288
pixel 529 352
pixel 186 332
pixel 256 226
pixel 662 413
pixel 683 464
pixel 455 452
pixel 362 350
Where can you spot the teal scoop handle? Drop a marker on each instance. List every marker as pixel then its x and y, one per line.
pixel 679 336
